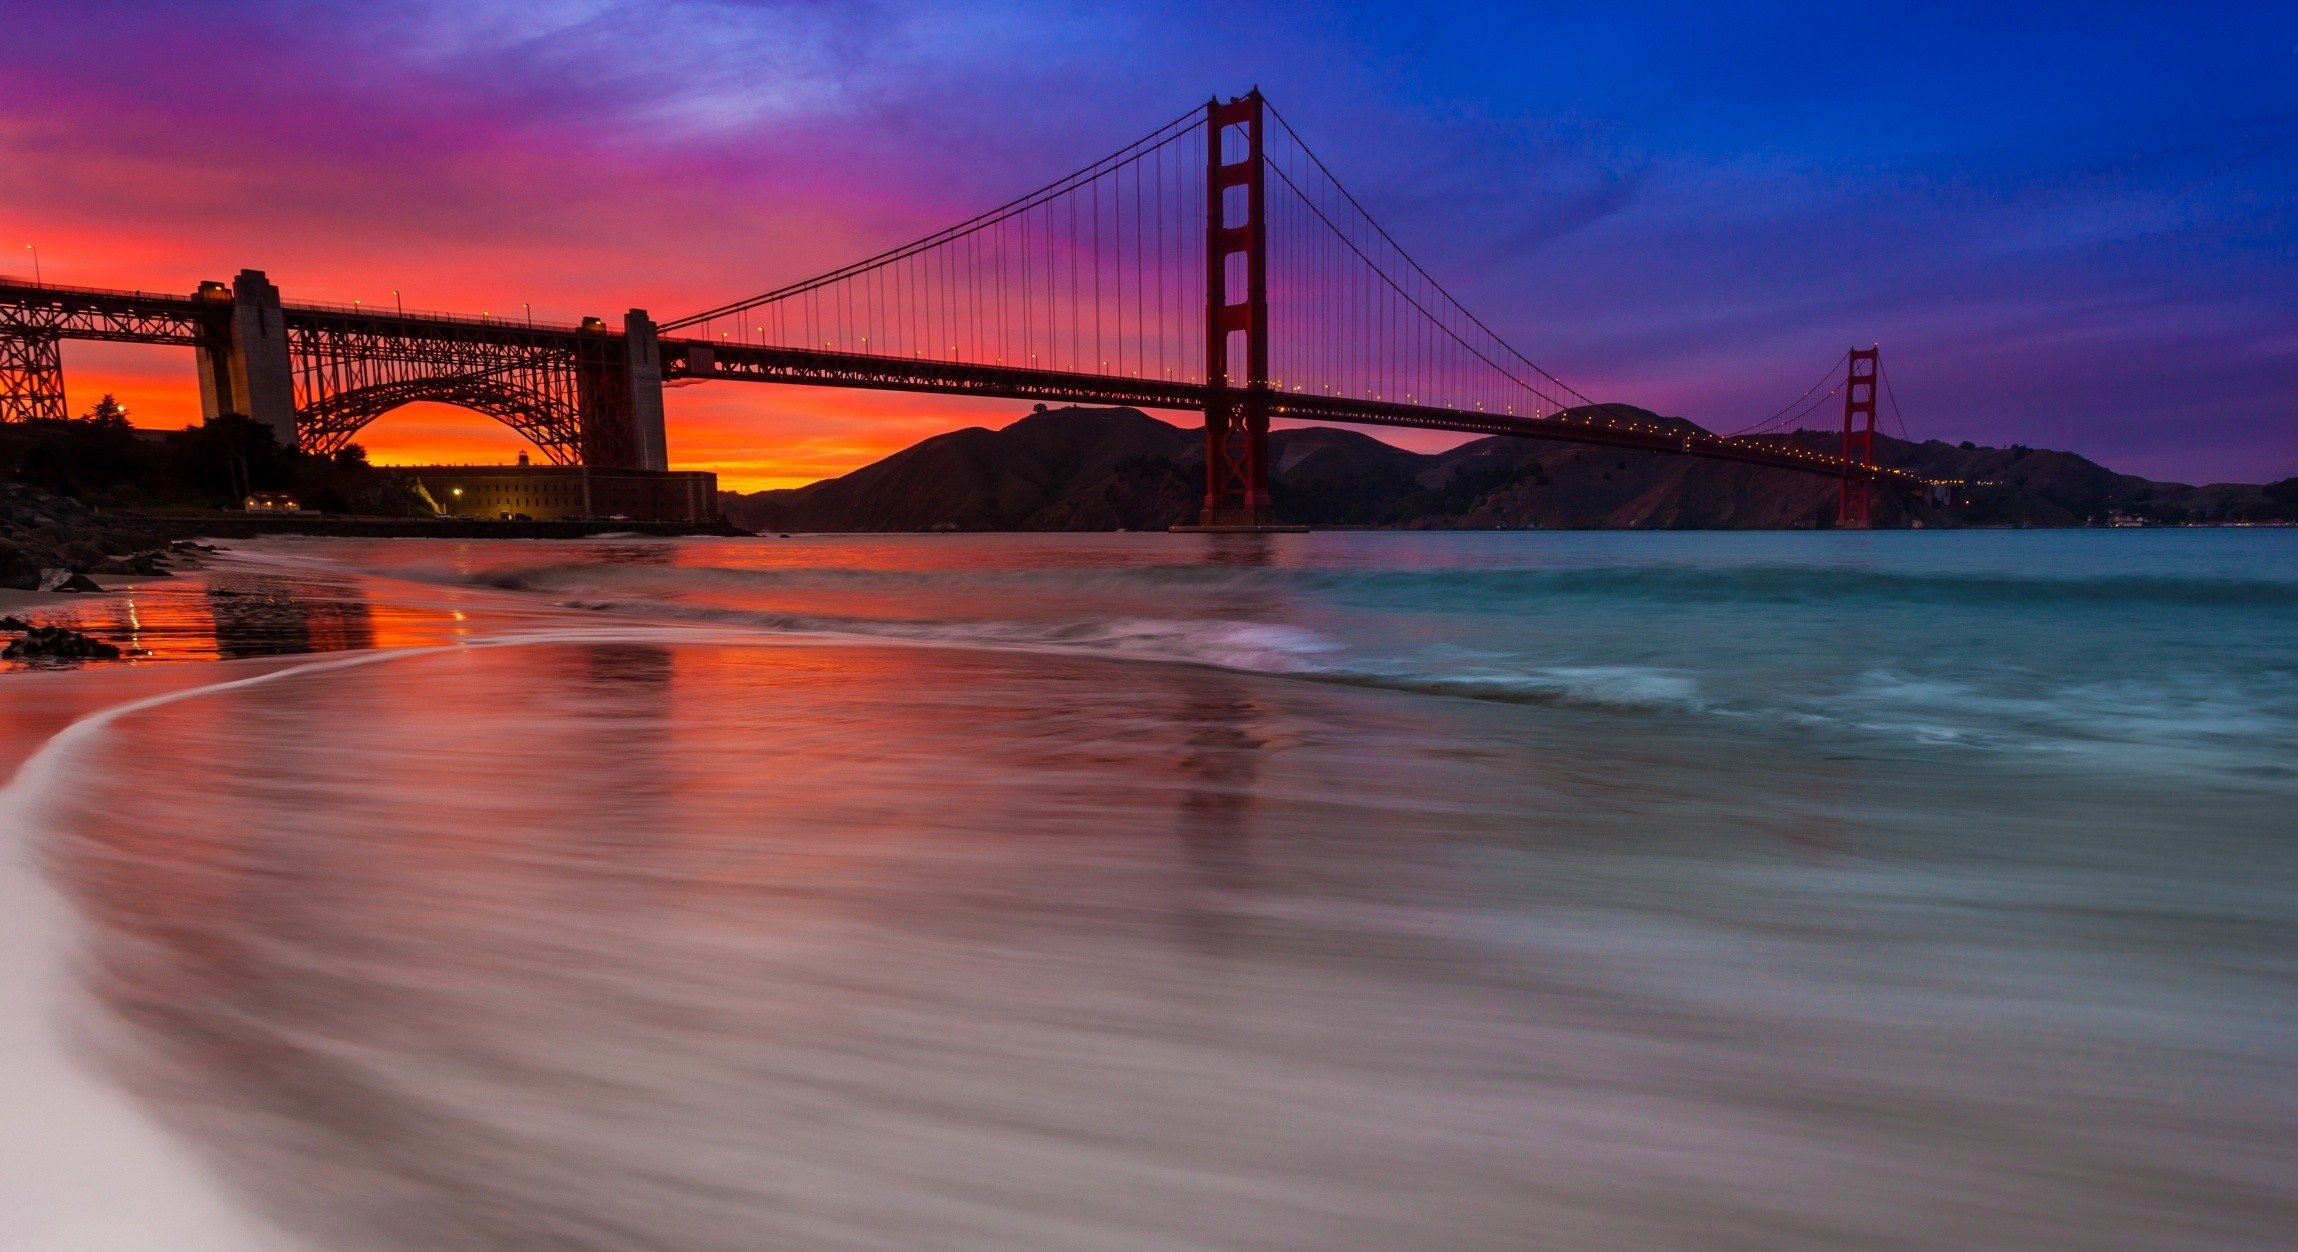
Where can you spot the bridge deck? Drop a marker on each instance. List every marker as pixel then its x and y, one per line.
pixel 149 317
pixel 699 359
pixel 97 313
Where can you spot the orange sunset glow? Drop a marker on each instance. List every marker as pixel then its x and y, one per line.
pixel 753 437
pixel 1570 627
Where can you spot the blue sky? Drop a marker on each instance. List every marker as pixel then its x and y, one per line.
pixel 2067 228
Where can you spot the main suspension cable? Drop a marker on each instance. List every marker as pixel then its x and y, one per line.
pixel 1155 140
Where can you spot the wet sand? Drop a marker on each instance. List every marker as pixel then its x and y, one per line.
pixel 1056 893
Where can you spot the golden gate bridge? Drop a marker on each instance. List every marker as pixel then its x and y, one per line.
pixel 1215 265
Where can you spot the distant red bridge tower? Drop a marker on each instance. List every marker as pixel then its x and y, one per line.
pixel 1851 509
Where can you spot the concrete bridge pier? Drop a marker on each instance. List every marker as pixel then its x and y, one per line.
pixel 642 367
pixel 618 393
pixel 244 367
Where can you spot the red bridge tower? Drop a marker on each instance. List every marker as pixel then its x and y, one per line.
pixel 1236 225
pixel 1851 509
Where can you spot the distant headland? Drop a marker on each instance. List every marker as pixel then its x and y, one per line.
pixel 1120 469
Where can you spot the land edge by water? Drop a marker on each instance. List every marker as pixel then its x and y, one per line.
pixel 52 546
pixel 1085 469
pixel 1071 469
pixel 94 496
pixel 250 526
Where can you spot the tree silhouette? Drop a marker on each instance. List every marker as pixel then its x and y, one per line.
pixel 107 412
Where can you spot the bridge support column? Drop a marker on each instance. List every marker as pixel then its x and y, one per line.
pixel 31 379
pixel 618 393
pixel 1237 463
pixel 1852 505
pixel 602 393
pixel 642 371
pixel 1236 224
pixel 245 368
pixel 216 396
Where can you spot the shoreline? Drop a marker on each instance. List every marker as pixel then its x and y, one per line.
pixel 43 533
pixel 75 1129
pixel 346 526
pixel 13 600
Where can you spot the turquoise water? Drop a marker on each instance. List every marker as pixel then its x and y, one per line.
pixel 2158 650
pixel 1930 890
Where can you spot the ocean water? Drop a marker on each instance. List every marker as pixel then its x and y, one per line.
pixel 1338 891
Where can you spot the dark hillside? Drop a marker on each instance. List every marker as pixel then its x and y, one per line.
pixel 1111 469
pixel 1072 469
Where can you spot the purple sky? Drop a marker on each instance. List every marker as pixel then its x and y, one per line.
pixel 2069 231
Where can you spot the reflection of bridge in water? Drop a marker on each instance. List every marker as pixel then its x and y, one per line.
pixel 234 614
pixel 1214 266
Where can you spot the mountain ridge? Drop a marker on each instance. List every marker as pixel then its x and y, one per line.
pixel 1121 469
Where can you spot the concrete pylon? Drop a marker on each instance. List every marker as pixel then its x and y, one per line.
pixel 247 371
pixel 216 396
pixel 642 371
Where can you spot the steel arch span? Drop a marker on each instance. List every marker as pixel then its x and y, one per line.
pixel 550 421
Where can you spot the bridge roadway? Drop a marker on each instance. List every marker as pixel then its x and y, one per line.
pixel 1601 425
pixel 584 394
pixel 118 316
pixel 318 373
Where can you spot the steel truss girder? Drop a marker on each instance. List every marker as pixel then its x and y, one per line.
pixel 116 316
pixel 31 378
pixel 386 326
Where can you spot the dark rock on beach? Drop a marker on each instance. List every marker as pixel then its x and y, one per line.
pixel 66 580
pixel 57 643
pixel 151 563
pixel 42 532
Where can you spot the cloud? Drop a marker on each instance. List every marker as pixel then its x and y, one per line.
pixel 1675 205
